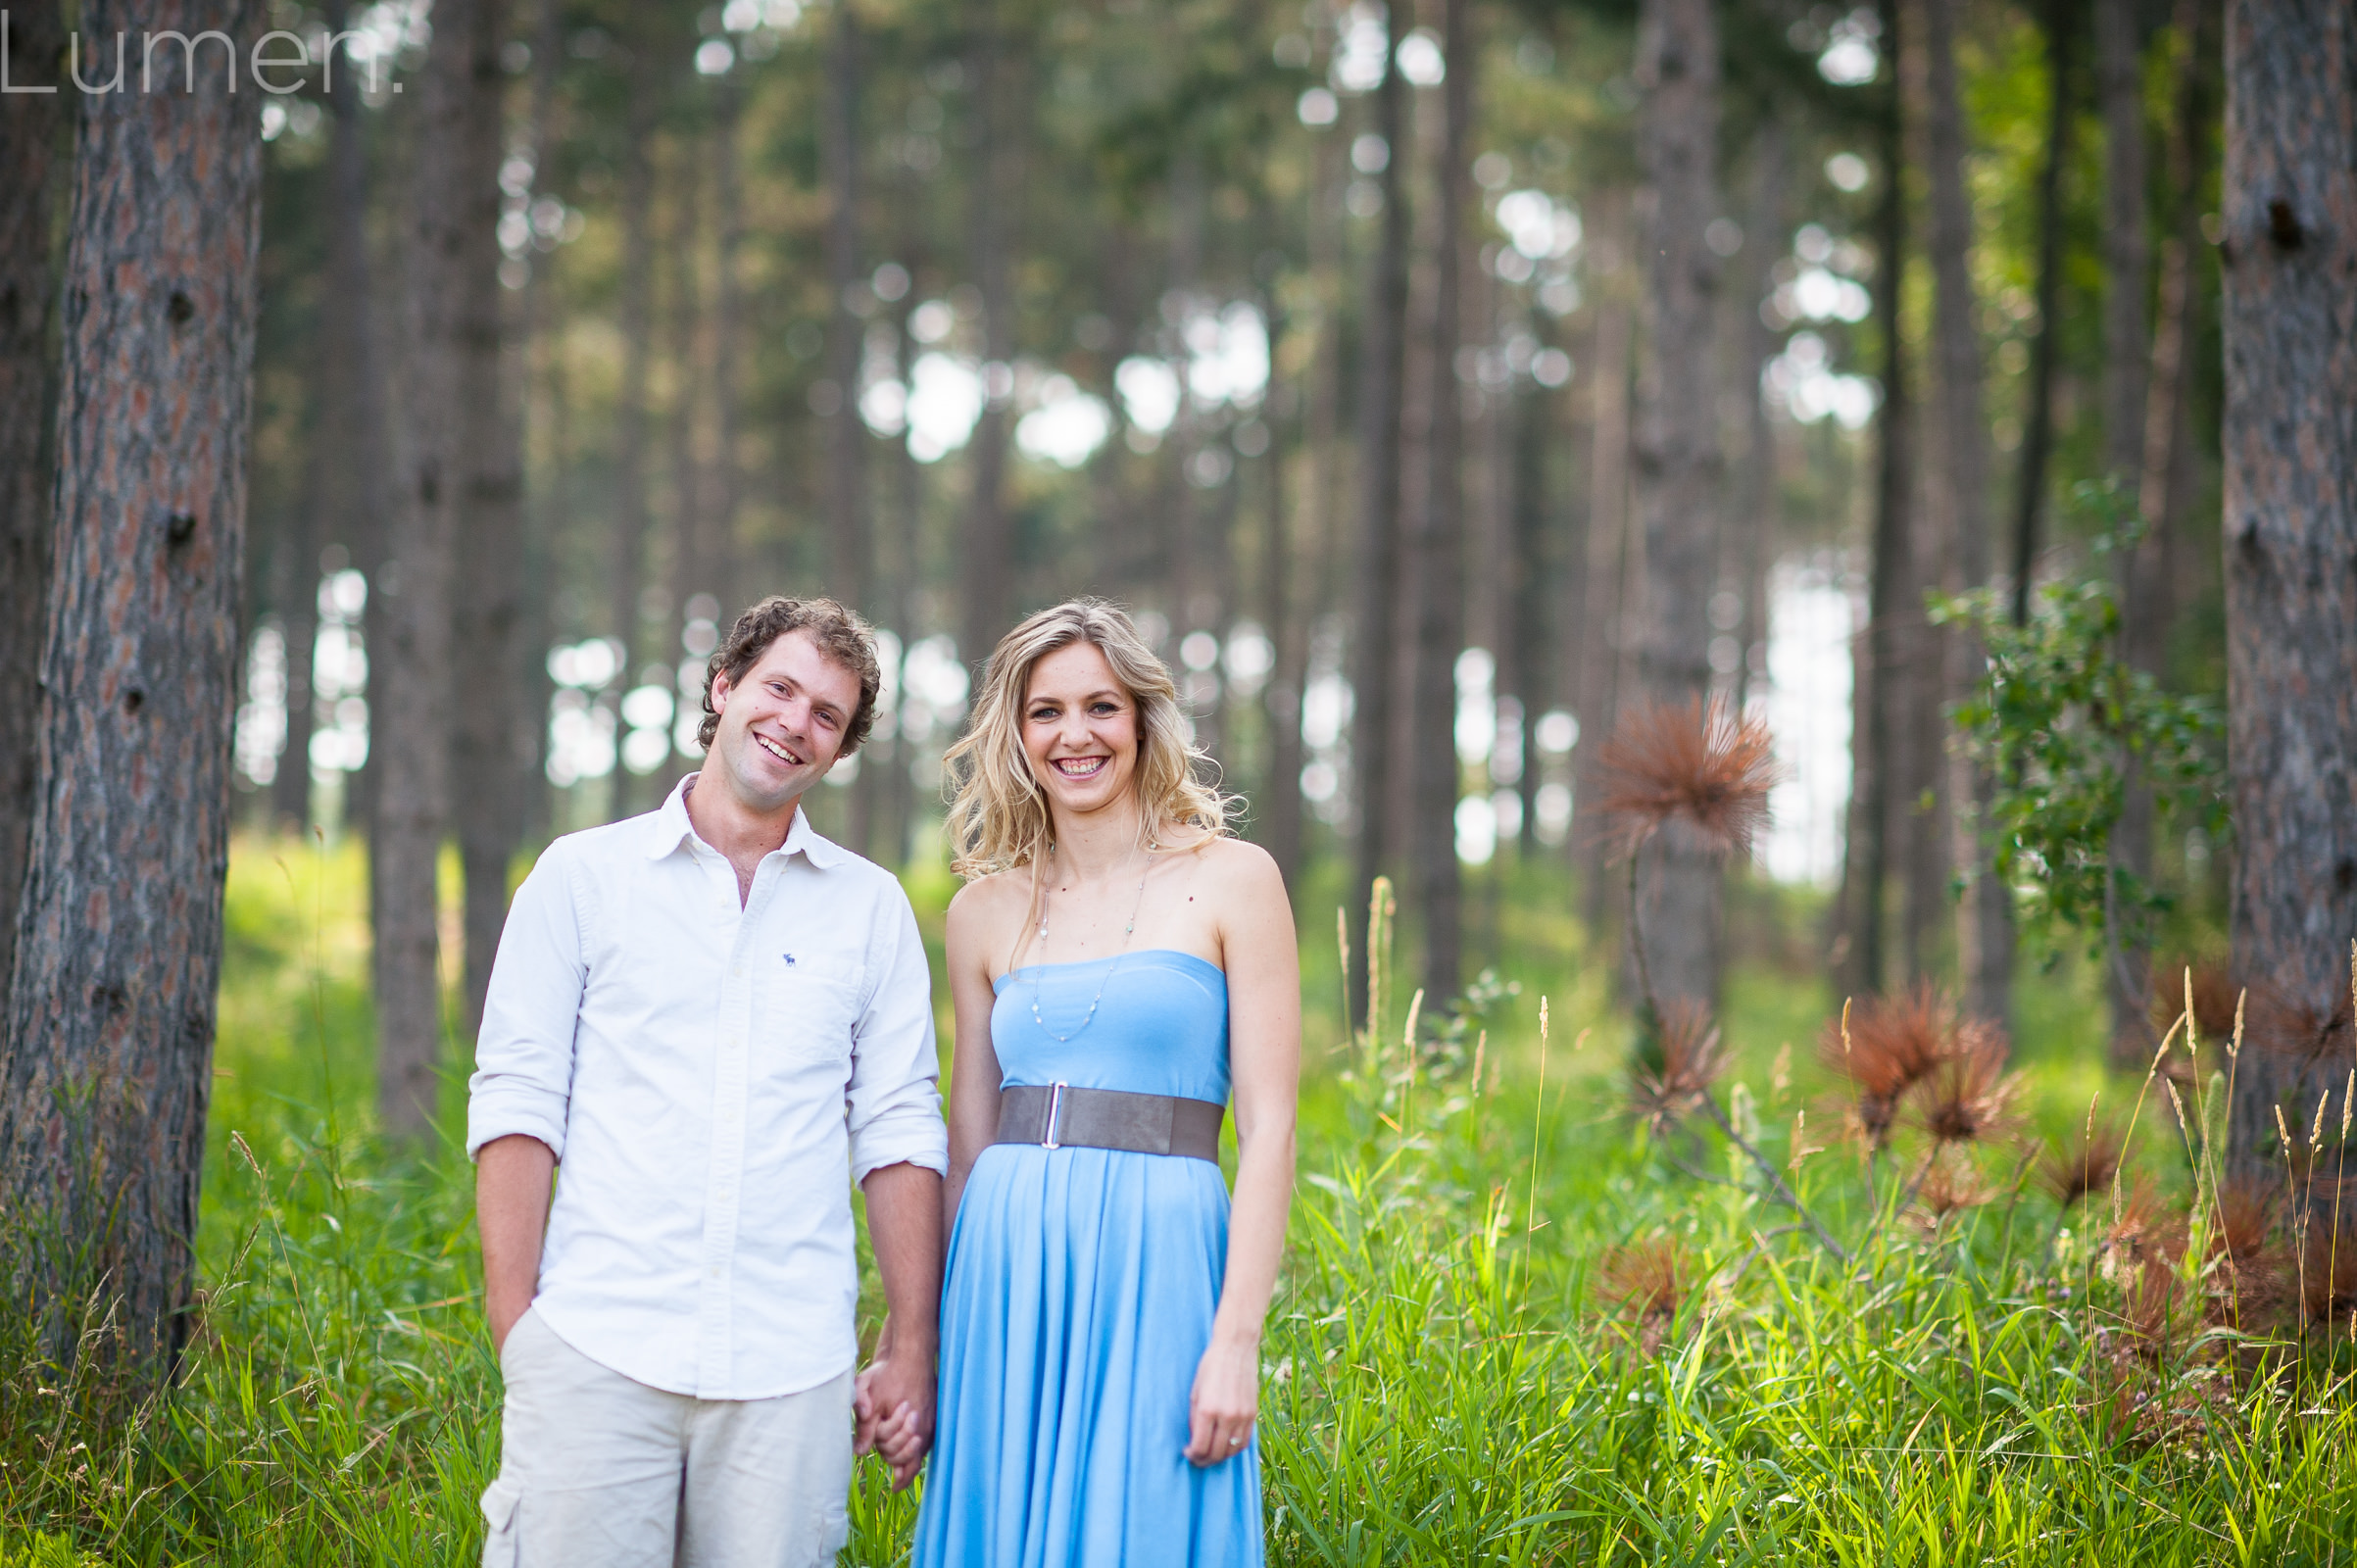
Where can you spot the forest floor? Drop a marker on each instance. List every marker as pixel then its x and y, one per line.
pixel 1511 1329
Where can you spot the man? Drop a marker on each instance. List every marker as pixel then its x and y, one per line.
pixel 697 1015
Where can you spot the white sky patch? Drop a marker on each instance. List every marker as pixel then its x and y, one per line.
pixel 1815 612
pixel 943 401
pixel 1357 65
pixel 1066 428
pixel 1227 357
pixel 1802 381
pixel 1537 224
pixel 1149 393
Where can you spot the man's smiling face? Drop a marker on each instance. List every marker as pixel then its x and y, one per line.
pixel 782 726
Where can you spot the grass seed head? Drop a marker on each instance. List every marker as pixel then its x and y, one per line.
pixel 1696 761
pixel 2085 1163
pixel 2148 1229
pixel 1693 1057
pixel 1888 1046
pixel 2310 1034
pixel 1648 1280
pixel 2327 1272
pixel 1969 1095
pixel 2211 993
pixel 1950 1187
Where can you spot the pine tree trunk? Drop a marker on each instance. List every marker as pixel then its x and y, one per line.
pixel 413 665
pixel 1755 520
pixel 632 520
pixel 988 587
pixel 729 312
pixel 295 595
pixel 1960 449
pixel 1676 492
pixel 850 552
pixel 2127 350
pixel 1303 553
pixel 108 1062
pixel 1883 700
pixel 2038 430
pixel 1435 547
pixel 355 416
pixel 689 381
pixel 2290 532
pixel 31 127
pixel 1601 686
pixel 1383 346
pixel 494 753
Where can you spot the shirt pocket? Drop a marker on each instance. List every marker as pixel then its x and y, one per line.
pixel 812 1006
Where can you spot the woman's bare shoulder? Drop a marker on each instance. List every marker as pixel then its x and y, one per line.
pixel 989 903
pixel 1233 866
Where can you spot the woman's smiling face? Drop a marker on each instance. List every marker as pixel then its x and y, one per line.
pixel 1080 729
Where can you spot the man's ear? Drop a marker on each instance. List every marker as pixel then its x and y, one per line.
pixel 721 686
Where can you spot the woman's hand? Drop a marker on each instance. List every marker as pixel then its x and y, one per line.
pixel 1225 1402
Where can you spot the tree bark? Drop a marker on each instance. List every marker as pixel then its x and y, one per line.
pixel 1678 469
pixel 1755 520
pixel 1383 346
pixel 357 412
pixel 2038 430
pixel 108 1062
pixel 729 312
pixel 851 556
pixel 1601 685
pixel 411 714
pixel 2127 348
pixel 1885 696
pixel 1435 547
pixel 989 542
pixel 632 518
pixel 31 127
pixel 2290 532
pixel 1960 450
pixel 1303 553
pixel 294 594
pixel 494 744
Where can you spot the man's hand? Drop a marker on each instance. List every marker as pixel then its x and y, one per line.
pixel 893 1396
pixel 893 1399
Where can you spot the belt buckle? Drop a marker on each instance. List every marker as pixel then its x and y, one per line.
pixel 1055 1111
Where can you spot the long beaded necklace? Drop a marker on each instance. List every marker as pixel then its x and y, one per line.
pixel 1040 973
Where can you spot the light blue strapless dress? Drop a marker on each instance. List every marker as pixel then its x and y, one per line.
pixel 1080 1293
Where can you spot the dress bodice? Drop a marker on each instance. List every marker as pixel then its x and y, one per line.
pixel 1160 1025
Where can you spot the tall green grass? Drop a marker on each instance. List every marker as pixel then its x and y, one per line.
pixel 1451 1377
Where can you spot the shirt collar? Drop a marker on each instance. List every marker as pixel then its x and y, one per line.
pixel 673 828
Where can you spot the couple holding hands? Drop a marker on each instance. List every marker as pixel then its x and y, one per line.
pixel 699 1018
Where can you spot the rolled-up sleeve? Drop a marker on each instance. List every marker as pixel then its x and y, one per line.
pixel 895 1099
pixel 523 1057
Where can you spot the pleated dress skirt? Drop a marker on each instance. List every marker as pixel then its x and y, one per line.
pixel 1081 1288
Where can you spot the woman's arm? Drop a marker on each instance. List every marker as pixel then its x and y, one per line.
pixel 1260 953
pixel 974 1066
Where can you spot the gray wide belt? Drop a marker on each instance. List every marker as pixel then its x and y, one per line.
pixel 1060 1116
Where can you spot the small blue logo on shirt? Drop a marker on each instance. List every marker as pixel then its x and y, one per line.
pixel 789 957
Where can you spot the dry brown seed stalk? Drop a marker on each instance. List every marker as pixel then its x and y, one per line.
pixel 1694 761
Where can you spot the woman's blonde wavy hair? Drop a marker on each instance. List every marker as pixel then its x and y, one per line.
pixel 998 814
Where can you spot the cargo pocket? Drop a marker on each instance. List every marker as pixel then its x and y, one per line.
pixel 502 1545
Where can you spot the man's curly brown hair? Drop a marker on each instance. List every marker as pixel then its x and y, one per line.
pixel 838 633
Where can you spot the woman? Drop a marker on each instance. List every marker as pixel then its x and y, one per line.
pixel 1118 963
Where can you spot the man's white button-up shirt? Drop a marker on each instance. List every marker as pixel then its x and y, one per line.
pixel 705 1071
